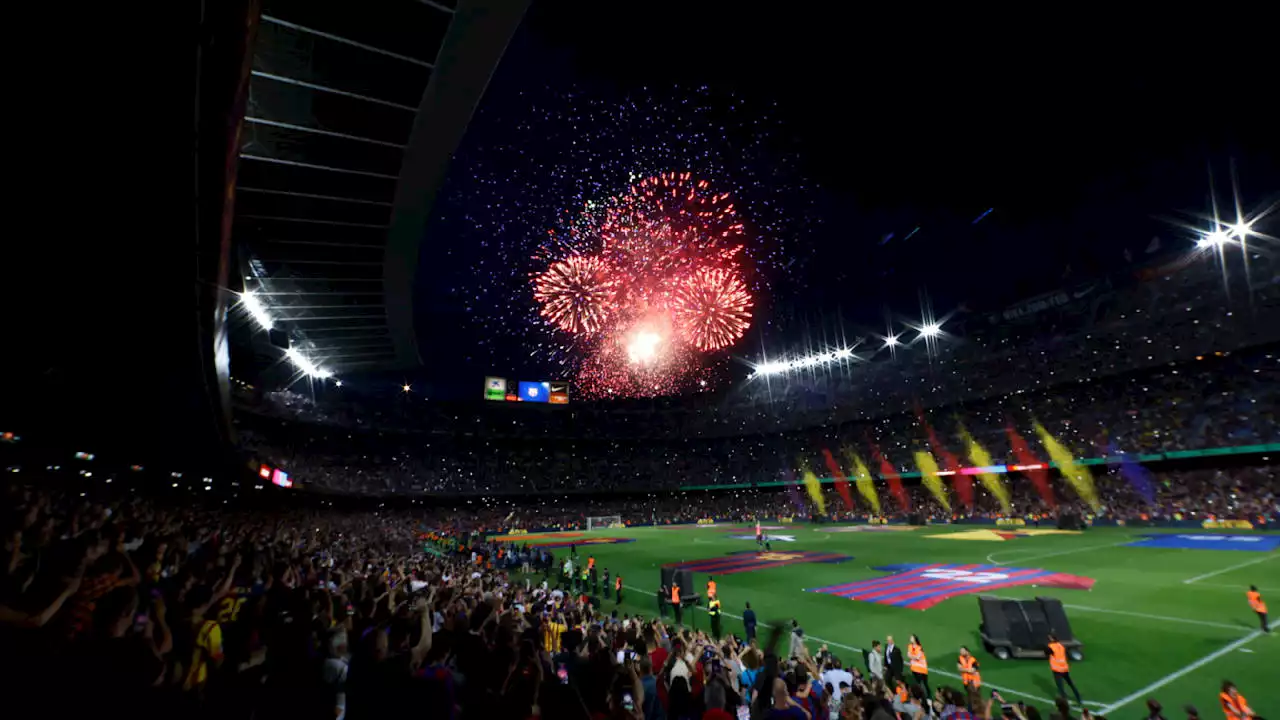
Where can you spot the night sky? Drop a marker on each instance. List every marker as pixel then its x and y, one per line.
pixel 1081 142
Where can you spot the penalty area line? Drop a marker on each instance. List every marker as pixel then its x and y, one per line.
pixel 1146 691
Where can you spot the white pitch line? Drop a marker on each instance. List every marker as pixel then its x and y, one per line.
pixel 1229 569
pixel 1052 554
pixel 1233 588
pixel 1146 691
pixel 1165 618
pixel 932 671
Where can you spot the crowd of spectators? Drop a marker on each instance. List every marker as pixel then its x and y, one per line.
pixel 1213 401
pixel 191 611
pixel 1247 493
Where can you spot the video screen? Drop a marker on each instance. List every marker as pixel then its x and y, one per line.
pixel 281 478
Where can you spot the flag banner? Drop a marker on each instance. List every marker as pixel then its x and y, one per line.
pixel 1033 467
pixel 862 478
pixel 963 483
pixel 979 456
pixel 748 560
pixel 930 479
pixel 1076 475
pixel 919 587
pixel 793 493
pixel 815 490
pixel 892 477
pixel 841 482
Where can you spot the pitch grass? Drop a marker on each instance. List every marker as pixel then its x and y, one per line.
pixel 1141 624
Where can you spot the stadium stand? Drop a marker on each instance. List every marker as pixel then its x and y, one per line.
pixel 1206 403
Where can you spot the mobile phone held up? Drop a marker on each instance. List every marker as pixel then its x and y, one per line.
pixel 562 672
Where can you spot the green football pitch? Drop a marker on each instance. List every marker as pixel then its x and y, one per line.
pixel 1165 623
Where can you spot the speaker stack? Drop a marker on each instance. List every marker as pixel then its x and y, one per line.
pixel 682 577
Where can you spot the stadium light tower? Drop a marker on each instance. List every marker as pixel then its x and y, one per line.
pixel 1242 229
pixel 931 330
pixel 1215 239
pixel 256 310
pixel 406 387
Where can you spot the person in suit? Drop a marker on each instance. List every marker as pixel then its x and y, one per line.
pixel 749 622
pixel 892 660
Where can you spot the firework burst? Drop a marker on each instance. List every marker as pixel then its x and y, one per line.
pixel 654 284
pixel 712 308
pixel 576 293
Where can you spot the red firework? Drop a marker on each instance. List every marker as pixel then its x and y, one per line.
pixel 667 253
pixel 575 293
pixel 712 308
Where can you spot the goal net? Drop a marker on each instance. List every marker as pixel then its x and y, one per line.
pixel 604 521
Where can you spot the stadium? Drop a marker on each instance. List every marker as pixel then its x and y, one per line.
pixel 518 374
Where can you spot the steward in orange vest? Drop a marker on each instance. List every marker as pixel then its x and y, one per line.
pixel 675 603
pixel 1061 670
pixel 919 664
pixel 969 675
pixel 1260 607
pixel 1234 706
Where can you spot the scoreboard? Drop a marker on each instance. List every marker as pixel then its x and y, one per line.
pixel 555 392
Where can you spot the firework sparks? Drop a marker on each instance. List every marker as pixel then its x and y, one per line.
pixel 643 347
pixel 653 285
pixel 713 308
pixel 576 294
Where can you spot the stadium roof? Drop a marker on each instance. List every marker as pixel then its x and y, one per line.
pixel 353 112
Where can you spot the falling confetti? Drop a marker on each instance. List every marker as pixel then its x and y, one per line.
pixel 624 243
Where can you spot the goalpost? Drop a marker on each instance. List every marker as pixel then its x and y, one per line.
pixel 604 521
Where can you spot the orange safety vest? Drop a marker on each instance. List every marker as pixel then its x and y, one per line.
pixel 918 662
pixel 1236 708
pixel 675 594
pixel 711 588
pixel 969 672
pixel 617 584
pixel 591 563
pixel 902 693
pixel 1255 601
pixel 1058 658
